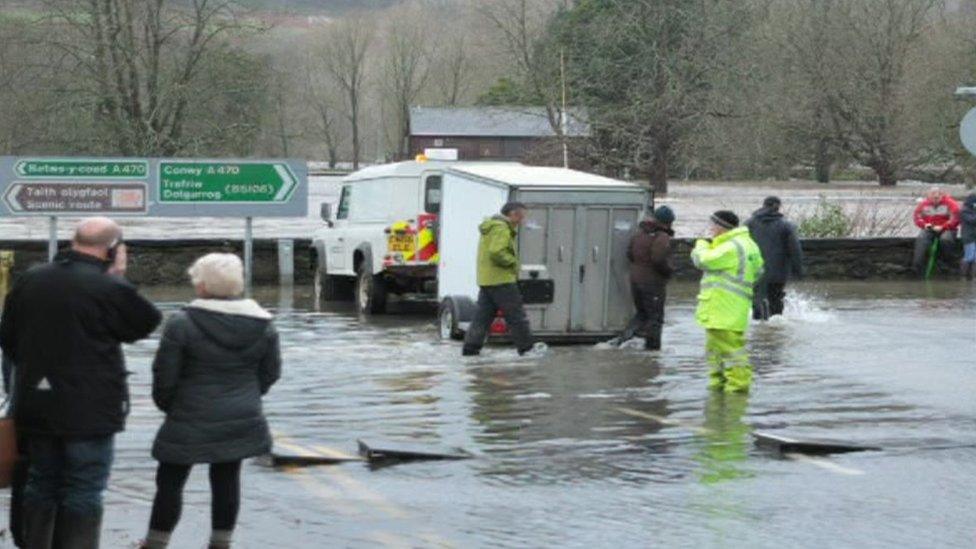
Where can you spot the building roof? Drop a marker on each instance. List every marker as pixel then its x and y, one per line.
pixel 491 122
pixel 507 173
pixel 520 175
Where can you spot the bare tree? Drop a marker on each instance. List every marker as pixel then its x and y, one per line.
pixel 453 67
pixel 406 69
pixel 523 27
pixel 868 48
pixel 143 57
pixel 321 95
pixel 344 53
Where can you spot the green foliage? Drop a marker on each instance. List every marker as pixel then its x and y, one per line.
pixel 827 221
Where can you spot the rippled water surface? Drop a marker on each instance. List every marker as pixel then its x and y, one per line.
pixel 589 447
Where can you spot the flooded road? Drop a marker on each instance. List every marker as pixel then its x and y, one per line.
pixel 589 447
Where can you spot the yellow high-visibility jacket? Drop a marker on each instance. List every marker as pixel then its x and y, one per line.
pixel 731 264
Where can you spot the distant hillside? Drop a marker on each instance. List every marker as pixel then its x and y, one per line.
pixel 331 7
pixel 323 7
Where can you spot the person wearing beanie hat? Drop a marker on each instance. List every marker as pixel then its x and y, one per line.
pixel 782 257
pixel 649 253
pixel 731 263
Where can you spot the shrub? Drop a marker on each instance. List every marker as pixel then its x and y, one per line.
pixel 827 221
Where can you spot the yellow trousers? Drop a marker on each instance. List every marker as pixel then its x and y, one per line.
pixel 728 361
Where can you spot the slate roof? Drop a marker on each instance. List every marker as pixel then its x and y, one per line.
pixel 490 122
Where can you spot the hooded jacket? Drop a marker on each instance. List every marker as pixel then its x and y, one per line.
pixel 776 238
pixel 63 325
pixel 649 253
pixel 968 216
pixel 216 359
pixel 498 261
pixel 944 213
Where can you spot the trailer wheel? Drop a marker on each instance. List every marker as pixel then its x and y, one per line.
pixel 449 327
pixel 370 292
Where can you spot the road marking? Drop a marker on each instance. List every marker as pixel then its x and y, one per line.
pixel 665 421
pixel 823 464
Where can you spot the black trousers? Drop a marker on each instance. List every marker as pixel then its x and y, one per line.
pixel 769 300
pixel 18 482
pixel 491 299
pixel 225 489
pixel 648 319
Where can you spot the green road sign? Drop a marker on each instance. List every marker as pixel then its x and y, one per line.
pixel 57 168
pixel 225 182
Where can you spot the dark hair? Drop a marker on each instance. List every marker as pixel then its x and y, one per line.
pixel 772 202
pixel 510 207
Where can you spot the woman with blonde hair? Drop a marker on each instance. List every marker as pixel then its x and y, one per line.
pixel 217 358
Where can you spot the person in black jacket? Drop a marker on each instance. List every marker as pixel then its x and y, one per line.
pixel 782 257
pixel 649 253
pixel 215 361
pixel 967 233
pixel 62 327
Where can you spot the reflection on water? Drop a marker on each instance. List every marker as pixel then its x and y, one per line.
pixel 596 448
pixel 727 437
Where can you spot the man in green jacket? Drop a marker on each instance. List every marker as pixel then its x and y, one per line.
pixel 498 269
pixel 731 262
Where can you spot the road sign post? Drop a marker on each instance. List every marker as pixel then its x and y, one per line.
pixel 52 238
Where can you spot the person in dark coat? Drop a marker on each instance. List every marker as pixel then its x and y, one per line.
pixel 782 257
pixel 62 327
pixel 216 359
pixel 649 253
pixel 967 233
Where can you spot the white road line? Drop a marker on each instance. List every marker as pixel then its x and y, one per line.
pixel 823 464
pixel 665 421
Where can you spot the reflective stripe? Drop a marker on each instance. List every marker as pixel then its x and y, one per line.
pixel 728 278
pixel 741 252
pixel 727 287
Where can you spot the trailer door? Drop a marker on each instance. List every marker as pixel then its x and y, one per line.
pixel 603 271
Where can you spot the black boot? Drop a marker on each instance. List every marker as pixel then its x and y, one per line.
pixel 78 531
pixel 38 528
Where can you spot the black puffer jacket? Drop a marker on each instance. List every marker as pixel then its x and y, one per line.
pixel 968 216
pixel 62 326
pixel 215 361
pixel 781 251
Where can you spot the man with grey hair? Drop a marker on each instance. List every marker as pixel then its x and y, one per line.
pixel 63 324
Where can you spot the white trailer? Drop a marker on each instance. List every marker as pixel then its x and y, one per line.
pixel 572 247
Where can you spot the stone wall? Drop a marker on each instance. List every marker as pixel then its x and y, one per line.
pixel 836 258
pixel 164 262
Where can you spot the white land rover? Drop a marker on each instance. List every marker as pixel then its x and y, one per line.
pixel 381 237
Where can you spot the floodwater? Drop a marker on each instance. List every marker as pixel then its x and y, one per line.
pixel 589 447
pixel 873 210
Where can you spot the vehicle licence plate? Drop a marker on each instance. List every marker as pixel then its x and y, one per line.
pixel 400 243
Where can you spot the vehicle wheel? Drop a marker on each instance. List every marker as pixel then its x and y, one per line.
pixel 448 325
pixel 370 292
pixel 335 288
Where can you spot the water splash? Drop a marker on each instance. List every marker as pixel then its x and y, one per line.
pixel 803 307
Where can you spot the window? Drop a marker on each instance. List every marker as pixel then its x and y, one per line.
pixel 342 212
pixel 432 194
